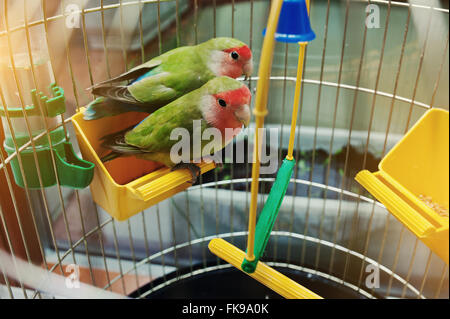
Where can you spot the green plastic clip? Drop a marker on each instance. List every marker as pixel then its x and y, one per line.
pixel 73 171
pixel 51 107
pixel 269 214
pixel 38 167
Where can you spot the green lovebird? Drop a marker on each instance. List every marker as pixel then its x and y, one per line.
pixel 222 104
pixel 169 76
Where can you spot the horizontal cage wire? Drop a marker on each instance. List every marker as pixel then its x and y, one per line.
pixel 364 87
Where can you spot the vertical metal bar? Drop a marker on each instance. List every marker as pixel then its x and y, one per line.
pixel 382 244
pixel 441 281
pixel 86 46
pixel 102 248
pixel 444 59
pixel 5 278
pixel 133 254
pixel 427 268
pixel 122 36
pixel 141 30
pixel 316 126
pixel 147 248
pixel 174 242
pixel 119 261
pixel 105 47
pixel 419 70
pixel 69 60
pixel 177 22
pixel 394 266
pixel 214 18
pixel 411 263
pixel 232 18
pixel 188 217
pixel 158 219
pixel 158 11
pixel 196 21
pixel 335 114
pixel 202 222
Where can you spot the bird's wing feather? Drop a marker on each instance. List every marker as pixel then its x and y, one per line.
pixel 153 134
pixel 117 93
pixel 133 74
pixel 142 69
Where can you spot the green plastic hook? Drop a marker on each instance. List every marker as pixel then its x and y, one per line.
pixel 52 106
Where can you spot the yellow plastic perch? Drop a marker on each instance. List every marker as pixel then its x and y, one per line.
pixel 417 165
pixel 264 274
pixel 126 186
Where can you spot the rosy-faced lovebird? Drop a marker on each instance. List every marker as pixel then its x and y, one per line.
pixel 169 76
pixel 222 103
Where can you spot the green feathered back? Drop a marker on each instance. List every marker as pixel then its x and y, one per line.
pixel 179 71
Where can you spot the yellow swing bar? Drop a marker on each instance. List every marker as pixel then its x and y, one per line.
pixel 264 274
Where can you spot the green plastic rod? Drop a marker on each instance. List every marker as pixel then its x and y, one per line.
pixel 269 214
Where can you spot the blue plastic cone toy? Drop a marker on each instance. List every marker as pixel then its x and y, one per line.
pixel 294 25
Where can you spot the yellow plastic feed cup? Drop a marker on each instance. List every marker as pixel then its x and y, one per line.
pixel 126 186
pixel 417 165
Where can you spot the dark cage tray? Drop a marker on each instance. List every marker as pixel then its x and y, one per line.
pixel 230 283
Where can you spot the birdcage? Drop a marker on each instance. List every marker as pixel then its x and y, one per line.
pixel 374 69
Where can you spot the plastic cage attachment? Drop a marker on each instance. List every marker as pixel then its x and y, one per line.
pixel 72 171
pixel 417 166
pixel 126 186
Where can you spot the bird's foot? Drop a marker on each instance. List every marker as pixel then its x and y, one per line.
pixel 193 169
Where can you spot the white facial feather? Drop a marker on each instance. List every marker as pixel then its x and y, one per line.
pixel 207 103
pixel 215 63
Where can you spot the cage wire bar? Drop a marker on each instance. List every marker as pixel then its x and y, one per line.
pixel 170 257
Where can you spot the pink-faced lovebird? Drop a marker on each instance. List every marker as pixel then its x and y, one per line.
pixel 222 103
pixel 169 76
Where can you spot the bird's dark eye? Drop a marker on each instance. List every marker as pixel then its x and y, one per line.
pixel 222 103
pixel 234 55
